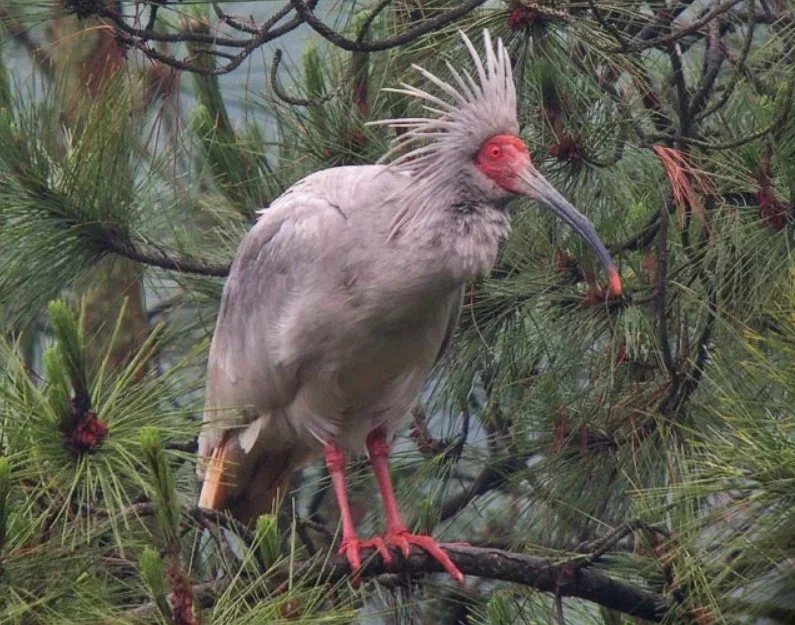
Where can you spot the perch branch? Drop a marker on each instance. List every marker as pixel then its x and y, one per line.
pixel 563 579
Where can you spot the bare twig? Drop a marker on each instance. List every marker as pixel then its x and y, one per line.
pixel 490 478
pixel 559 618
pixel 440 21
pixel 740 64
pixel 713 59
pixel 734 143
pixel 365 27
pixel 662 283
pixel 282 94
pixel 233 22
pixel 426 443
pixel 679 34
pixel 598 548
pixel 683 97
pixel 430 446
pixel 137 38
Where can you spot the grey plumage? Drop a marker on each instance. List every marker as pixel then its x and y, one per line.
pixel 316 340
pixel 347 290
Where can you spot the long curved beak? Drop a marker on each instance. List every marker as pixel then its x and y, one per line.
pixel 532 184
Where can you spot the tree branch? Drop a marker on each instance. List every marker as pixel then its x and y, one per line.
pixel 138 39
pixel 683 96
pixel 440 21
pixel 734 143
pixel 282 94
pixel 233 22
pixel 662 283
pixel 713 59
pixel 563 579
pixel 740 65
pixel 159 259
pixel 674 36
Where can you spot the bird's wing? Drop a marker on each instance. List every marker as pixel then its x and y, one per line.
pixel 254 367
pixel 247 379
pixel 452 323
pixel 303 233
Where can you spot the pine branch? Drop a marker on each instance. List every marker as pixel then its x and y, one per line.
pixel 678 34
pixel 162 260
pixel 282 94
pixel 412 34
pixel 563 579
pixel 139 38
pixel 233 22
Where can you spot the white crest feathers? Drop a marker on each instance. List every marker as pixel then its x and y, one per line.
pixel 473 111
pixel 435 149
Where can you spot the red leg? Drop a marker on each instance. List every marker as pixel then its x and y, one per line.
pixel 396 532
pixel 351 545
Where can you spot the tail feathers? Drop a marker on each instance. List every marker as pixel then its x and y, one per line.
pixel 213 493
pixel 248 487
pixel 270 483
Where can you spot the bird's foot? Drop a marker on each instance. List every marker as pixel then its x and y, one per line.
pixel 352 548
pixel 403 540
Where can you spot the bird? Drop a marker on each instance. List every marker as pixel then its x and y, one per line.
pixel 346 293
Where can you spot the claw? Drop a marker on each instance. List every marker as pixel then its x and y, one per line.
pixel 351 548
pixel 379 545
pixel 404 539
pixel 401 542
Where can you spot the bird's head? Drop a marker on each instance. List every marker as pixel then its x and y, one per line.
pixel 472 139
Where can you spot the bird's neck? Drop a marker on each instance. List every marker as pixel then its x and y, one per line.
pixel 465 237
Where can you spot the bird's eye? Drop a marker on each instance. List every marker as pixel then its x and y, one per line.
pixel 495 151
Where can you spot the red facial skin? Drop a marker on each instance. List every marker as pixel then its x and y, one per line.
pixel 502 158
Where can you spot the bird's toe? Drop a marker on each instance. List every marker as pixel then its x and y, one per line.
pixel 404 540
pixel 379 545
pixel 351 549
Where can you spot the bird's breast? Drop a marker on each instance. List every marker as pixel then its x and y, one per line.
pixel 368 369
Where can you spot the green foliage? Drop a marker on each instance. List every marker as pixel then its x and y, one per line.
pixel 61 194
pixel 167 510
pixel 649 440
pixel 153 572
pixel 267 537
pixel 739 482
pixel 68 360
pixel 5 492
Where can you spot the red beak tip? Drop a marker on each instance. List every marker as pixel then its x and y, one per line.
pixel 615 284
